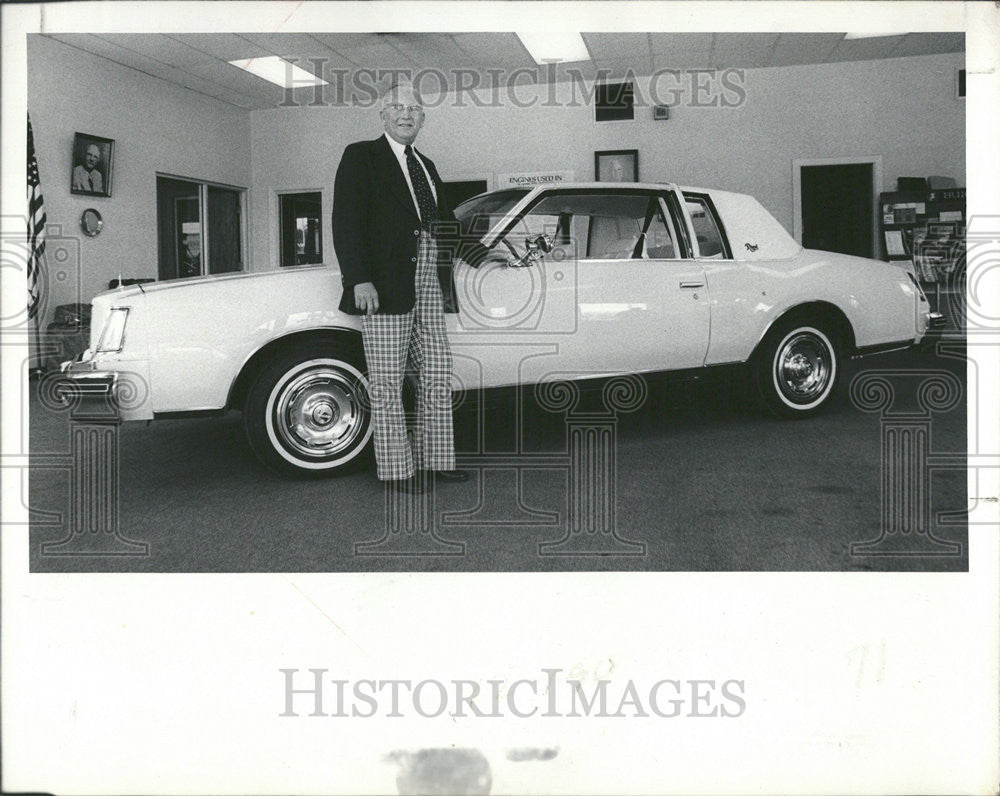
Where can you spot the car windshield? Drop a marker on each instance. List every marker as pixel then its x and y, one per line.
pixel 478 215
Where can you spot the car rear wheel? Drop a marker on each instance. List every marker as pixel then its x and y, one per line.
pixel 796 369
pixel 308 412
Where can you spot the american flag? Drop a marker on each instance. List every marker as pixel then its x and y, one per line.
pixel 36 228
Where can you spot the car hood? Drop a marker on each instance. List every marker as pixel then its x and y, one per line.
pixel 128 292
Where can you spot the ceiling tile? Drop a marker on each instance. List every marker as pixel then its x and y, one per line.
pixel 234 79
pixel 289 45
pixel 157 46
pixel 497 50
pixel 742 50
pixel 927 43
pixel 681 50
pixel 608 46
pixel 224 46
pixel 347 41
pixel 865 49
pixel 804 48
pixel 379 55
pixel 127 57
pixel 102 47
pixel 432 50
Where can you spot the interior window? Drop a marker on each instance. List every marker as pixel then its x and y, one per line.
pixel 301 225
pixel 199 228
pixel 600 226
pixel 705 228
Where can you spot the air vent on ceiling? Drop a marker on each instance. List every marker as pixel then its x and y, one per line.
pixel 615 102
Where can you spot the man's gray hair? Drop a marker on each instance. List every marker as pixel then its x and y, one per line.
pixel 398 84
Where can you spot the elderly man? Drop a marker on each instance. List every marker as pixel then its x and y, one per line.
pixel 394 235
pixel 86 176
pixel 191 249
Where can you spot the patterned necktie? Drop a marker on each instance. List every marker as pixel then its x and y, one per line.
pixel 425 199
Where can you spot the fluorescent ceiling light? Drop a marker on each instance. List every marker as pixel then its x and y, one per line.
pixel 870 35
pixel 280 72
pixel 548 47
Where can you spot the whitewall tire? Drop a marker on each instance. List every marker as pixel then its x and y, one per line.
pixel 308 412
pixel 796 369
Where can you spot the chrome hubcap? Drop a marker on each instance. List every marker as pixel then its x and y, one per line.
pixel 320 412
pixel 803 367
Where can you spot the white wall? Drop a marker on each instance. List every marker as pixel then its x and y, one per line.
pixel 157 127
pixel 903 109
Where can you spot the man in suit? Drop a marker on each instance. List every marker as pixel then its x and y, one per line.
pixel 86 175
pixel 395 240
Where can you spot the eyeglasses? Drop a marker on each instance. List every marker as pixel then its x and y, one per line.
pixel 396 107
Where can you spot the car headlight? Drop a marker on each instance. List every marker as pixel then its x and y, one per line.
pixel 113 335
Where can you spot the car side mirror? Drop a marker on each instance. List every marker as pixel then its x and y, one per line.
pixel 539 242
pixel 534 247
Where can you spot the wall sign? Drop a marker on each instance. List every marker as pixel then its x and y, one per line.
pixel 529 179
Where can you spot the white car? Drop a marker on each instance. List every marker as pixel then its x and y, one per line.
pixel 579 281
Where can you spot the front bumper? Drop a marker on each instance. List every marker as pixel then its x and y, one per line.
pixel 90 393
pixel 80 371
pixel 123 386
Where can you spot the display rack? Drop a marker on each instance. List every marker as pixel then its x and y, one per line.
pixel 927 229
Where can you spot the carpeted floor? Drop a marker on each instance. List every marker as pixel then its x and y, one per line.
pixel 701 485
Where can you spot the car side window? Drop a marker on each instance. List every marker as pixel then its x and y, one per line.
pixel 706 230
pixel 601 226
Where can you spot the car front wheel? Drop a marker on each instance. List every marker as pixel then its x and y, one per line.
pixel 796 369
pixel 308 412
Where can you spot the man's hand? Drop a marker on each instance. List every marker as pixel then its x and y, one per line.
pixel 366 298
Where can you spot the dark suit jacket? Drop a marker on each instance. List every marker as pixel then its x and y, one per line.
pixel 376 229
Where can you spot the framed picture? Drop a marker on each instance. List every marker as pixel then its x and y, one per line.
pixel 617 165
pixel 92 161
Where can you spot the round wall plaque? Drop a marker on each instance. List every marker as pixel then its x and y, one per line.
pixel 91 222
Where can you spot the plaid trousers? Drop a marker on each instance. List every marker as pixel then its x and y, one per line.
pixel 417 337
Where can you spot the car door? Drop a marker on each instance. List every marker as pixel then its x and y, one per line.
pixel 643 305
pixel 618 292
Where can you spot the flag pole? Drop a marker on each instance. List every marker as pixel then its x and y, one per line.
pixel 36 251
pixel 39 368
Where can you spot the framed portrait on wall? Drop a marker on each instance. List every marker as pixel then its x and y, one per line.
pixel 92 161
pixel 617 165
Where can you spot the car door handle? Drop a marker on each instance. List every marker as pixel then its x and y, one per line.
pixel 687 285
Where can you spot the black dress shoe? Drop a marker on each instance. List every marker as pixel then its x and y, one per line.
pixel 451 476
pixel 411 486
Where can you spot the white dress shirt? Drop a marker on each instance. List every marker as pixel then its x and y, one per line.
pixel 399 150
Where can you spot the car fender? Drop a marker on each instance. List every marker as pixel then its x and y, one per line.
pixel 200 333
pixel 877 299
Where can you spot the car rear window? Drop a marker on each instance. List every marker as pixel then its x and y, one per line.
pixel 706 230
